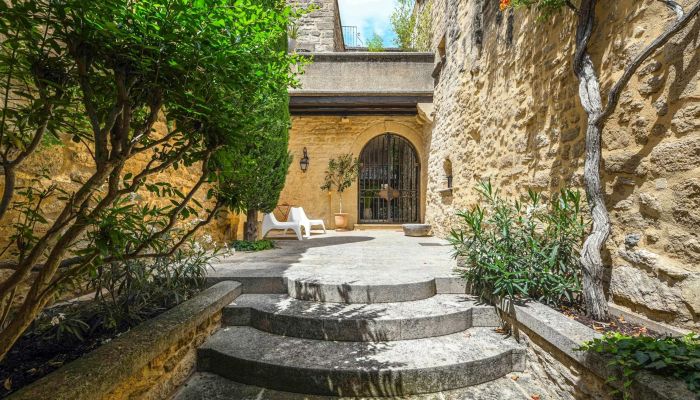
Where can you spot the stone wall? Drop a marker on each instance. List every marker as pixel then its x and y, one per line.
pixel 163 375
pixel 320 30
pixel 148 362
pixel 327 137
pixel 68 165
pixel 506 108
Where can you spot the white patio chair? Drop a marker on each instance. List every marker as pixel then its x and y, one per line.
pixel 270 223
pixel 298 214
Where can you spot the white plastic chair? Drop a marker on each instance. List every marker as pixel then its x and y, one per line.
pixel 297 214
pixel 270 222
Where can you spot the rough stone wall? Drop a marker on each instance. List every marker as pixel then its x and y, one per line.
pixel 320 30
pixel 69 164
pixel 327 137
pixel 167 372
pixel 507 108
pixel 565 378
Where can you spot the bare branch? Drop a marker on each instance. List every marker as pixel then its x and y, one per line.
pixel 682 22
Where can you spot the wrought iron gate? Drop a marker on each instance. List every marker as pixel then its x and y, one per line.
pixel 389 181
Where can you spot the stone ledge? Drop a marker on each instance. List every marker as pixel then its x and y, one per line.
pixel 566 334
pixel 96 374
pixel 365 56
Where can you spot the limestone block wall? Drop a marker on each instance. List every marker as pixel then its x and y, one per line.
pixel 68 165
pixel 327 137
pixel 506 108
pixel 320 30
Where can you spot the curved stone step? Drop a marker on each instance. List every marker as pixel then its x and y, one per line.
pixel 439 315
pixel 404 367
pixel 356 291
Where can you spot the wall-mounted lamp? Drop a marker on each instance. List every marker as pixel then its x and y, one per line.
pixel 304 162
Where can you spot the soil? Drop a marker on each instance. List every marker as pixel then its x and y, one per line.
pixel 35 356
pixel 616 324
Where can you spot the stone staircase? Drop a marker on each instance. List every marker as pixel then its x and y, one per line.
pixel 302 343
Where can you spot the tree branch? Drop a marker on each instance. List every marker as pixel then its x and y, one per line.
pixel 681 22
pixel 675 7
pixel 176 211
pixel 9 188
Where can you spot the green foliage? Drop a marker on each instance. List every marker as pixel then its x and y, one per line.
pixel 126 293
pixel 677 357
pixel 102 73
pixel 341 173
pixel 546 8
pixel 253 172
pixel 413 29
pixel 521 250
pixel 376 44
pixel 257 245
pixel 131 291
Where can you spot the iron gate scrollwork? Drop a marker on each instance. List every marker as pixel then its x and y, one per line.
pixel 389 181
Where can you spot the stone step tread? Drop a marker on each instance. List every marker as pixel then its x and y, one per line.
pixel 203 385
pixel 251 344
pixel 438 315
pixel 404 367
pixel 438 305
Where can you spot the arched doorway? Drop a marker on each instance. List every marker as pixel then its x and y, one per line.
pixel 389 181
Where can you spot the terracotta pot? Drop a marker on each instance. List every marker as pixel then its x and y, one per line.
pixel 341 221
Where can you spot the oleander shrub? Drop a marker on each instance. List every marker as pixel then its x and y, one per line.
pixel 521 250
pixel 676 357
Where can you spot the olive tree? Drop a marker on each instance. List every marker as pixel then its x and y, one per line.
pixel 598 112
pixel 102 73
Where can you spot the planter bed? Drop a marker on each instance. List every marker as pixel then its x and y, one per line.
pixel 149 361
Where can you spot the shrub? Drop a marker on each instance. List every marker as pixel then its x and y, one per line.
pixel 521 250
pixel 256 245
pixel 132 291
pixel 677 357
pixel 376 44
pixel 103 74
pixel 127 293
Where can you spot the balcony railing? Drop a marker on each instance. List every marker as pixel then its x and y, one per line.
pixel 351 37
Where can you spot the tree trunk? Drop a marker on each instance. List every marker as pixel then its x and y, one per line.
pixel 589 94
pixel 340 200
pixel 251 226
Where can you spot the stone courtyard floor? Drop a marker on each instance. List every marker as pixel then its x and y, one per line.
pixel 316 313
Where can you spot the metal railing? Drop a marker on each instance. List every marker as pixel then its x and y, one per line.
pixel 351 37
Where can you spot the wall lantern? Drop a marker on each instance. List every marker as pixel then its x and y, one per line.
pixel 304 162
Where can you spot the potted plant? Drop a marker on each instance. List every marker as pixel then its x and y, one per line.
pixel 292 35
pixel 340 175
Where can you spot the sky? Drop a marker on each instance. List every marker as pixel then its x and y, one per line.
pixel 370 17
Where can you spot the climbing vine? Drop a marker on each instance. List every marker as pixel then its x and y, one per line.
pixel 598 112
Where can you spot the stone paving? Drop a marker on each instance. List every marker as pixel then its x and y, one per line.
pixel 362 313
pixel 356 257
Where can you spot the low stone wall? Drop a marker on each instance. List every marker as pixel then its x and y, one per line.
pixel 552 337
pixel 148 362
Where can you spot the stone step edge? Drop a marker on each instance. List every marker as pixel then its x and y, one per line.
pixel 360 329
pixel 279 285
pixel 366 381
